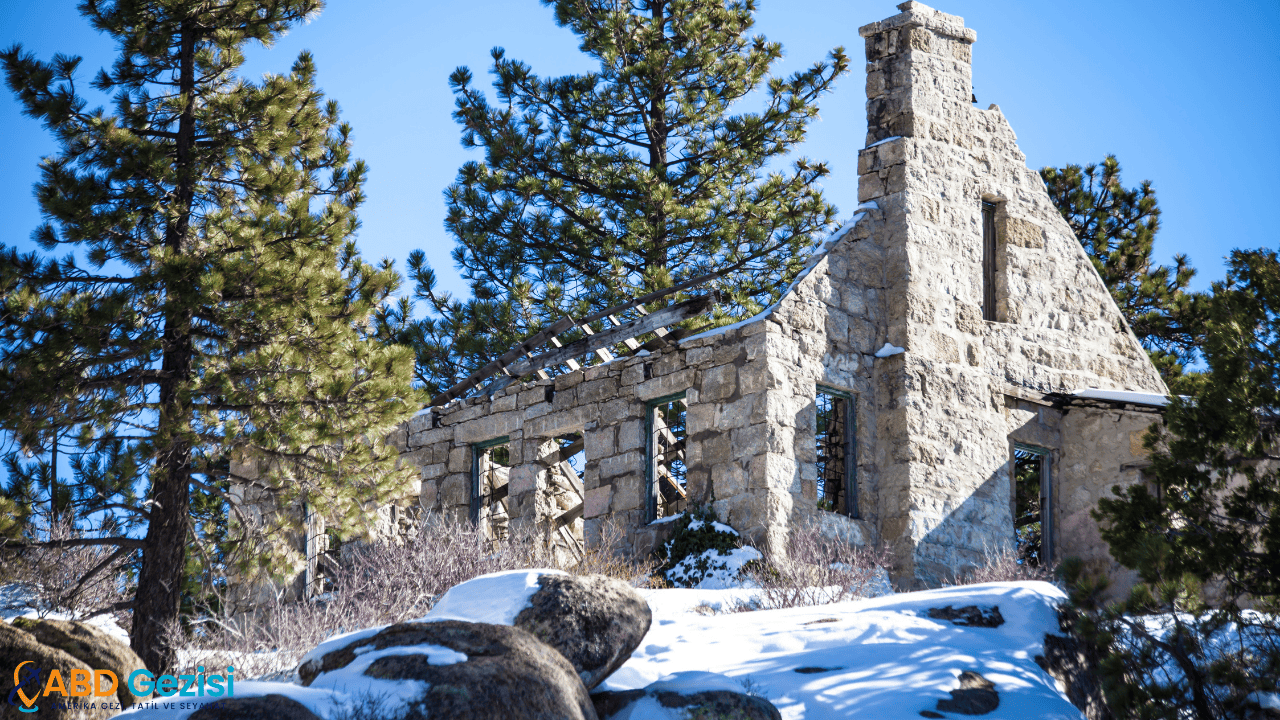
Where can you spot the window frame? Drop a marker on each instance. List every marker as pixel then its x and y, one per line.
pixel 990 249
pixel 652 491
pixel 476 450
pixel 1046 495
pixel 850 489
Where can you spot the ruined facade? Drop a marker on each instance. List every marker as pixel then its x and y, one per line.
pixel 953 331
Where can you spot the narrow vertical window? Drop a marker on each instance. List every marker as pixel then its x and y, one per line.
pixel 490 470
pixel 988 261
pixel 1032 516
pixel 835 433
pixel 666 468
pixel 566 460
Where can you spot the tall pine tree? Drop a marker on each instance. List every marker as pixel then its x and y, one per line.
pixel 213 305
pixel 636 176
pixel 1117 227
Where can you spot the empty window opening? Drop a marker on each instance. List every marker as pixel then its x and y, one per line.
pixel 834 434
pixel 1031 512
pixel 491 468
pixel 667 479
pixel 565 460
pixel 988 261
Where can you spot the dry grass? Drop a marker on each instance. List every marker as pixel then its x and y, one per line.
pixel 817 570
pixel 77 581
pixel 380 584
pixel 1004 565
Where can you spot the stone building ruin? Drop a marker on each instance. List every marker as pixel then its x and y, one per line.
pixel 953 331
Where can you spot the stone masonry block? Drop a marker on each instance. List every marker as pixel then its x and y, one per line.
pixel 719 383
pixel 1023 233
pixel 460 460
pixel 678 381
pixel 619 464
pixel 597 502
pixel 522 479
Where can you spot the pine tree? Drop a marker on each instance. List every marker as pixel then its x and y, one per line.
pixel 213 305
pixel 636 176
pixel 1117 227
pixel 1203 533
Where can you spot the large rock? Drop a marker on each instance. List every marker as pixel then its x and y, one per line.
pixel 717 704
pixel 506 671
pixel 975 696
pixel 265 707
pixel 90 646
pixel 691 694
pixel 593 620
pixel 18 646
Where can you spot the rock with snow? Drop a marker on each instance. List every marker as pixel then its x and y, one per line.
pixel 594 621
pixel 17 647
pixel 969 616
pixel 975 696
pixel 451 668
pixel 263 707
pixel 88 644
pixel 685 695
pixel 495 598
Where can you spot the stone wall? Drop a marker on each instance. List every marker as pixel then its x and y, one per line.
pixel 932 159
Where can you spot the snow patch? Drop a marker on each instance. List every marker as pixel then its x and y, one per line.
pixel 881 142
pixel 1137 398
pixel 889 350
pixel 496 598
pixel 667 519
pixel 712 570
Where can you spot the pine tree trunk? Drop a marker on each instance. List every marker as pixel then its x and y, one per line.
pixel 160 580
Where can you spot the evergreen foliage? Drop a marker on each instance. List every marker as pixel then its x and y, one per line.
pixel 1117 227
pixel 636 176
pixel 1204 533
pixel 212 306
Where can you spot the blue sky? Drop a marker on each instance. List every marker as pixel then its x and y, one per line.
pixel 1186 94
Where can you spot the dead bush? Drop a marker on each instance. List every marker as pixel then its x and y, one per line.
pixel 817 570
pixel 75 580
pixel 379 584
pixel 1004 565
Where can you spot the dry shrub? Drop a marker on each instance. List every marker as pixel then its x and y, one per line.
pixel 379 584
pixel 816 571
pixel 79 581
pixel 610 557
pixel 1004 565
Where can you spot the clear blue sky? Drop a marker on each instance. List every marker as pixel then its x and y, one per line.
pixel 1186 94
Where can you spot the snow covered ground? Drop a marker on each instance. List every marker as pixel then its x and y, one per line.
pixel 881 658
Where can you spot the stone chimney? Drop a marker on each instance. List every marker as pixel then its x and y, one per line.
pixel 919 75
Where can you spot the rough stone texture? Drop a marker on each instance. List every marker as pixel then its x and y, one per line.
pixel 18 646
pixel 506 668
pixel 90 646
pixel 975 696
pixel 709 705
pixel 266 707
pixel 935 425
pixel 594 621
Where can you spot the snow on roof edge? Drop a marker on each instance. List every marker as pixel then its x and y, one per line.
pixel 1127 396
